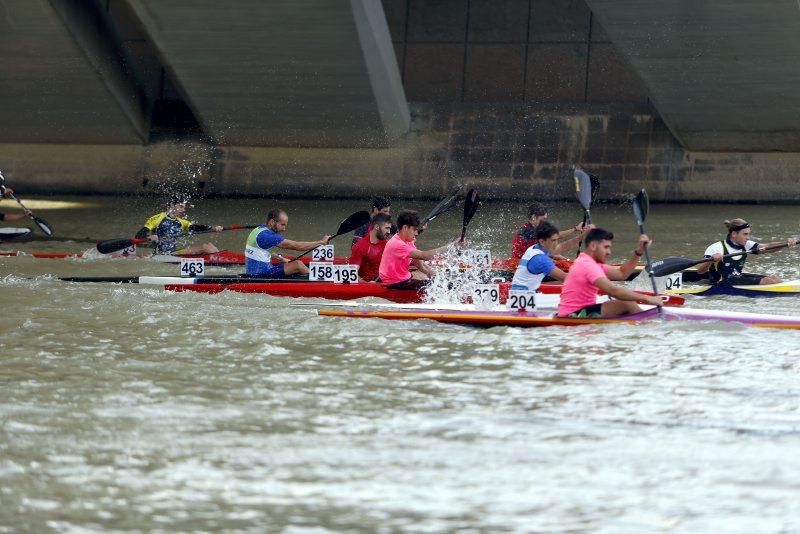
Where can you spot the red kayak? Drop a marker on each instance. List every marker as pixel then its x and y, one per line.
pixel 223 257
pixel 332 291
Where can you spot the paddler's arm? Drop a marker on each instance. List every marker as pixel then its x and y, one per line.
pixel 13 216
pixel 557 274
pixel 775 246
pixel 706 265
pixel 422 266
pixel 574 242
pixel 620 293
pixel 204 228
pixel 288 244
pixel 623 271
pixel 417 254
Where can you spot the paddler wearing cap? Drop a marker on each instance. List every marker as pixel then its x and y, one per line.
pixel 728 271
pixel 163 229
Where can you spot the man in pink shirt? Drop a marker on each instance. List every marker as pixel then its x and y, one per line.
pixel 590 273
pixel 401 252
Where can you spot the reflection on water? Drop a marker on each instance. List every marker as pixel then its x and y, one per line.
pixel 126 407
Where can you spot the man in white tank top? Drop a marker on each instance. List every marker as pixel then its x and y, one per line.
pixel 536 263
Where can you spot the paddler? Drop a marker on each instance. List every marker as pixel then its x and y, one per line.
pixel 728 271
pixel 401 252
pixel 368 251
pixel 536 262
pixel 378 205
pixel 258 250
pixel 526 235
pixel 590 273
pixel 164 228
pixel 7 192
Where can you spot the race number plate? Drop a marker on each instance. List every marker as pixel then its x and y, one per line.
pixel 481 258
pixel 322 253
pixel 486 295
pixel 518 299
pixel 345 274
pixel 671 282
pixel 192 266
pixel 321 271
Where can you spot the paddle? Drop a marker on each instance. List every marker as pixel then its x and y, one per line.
pixel 446 204
pixel 356 220
pixel 641 206
pixel 471 205
pixel 586 188
pixel 674 264
pixel 113 245
pixel 41 223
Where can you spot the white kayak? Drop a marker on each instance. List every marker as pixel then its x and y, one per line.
pixel 13 233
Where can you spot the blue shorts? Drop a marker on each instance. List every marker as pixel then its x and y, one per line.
pixel 273 270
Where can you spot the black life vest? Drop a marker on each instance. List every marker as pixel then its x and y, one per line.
pixel 723 271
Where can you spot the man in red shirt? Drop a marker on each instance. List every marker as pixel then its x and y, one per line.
pixel 368 250
pixel 526 235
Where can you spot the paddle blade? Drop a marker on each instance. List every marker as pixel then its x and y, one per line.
pixel 583 187
pixel 672 264
pixel 113 245
pixel 356 220
pixel 641 206
pixel 42 224
pixel 595 187
pixel 471 205
pixel 445 205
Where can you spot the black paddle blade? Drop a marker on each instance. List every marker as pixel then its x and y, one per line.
pixel 113 245
pixel 471 205
pixel 641 206
pixel 672 264
pixel 356 220
pixel 595 186
pixel 583 188
pixel 445 205
pixel 42 224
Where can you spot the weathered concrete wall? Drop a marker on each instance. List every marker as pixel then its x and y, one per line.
pixel 508 152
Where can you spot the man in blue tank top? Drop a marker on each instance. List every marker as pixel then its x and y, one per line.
pixel 258 250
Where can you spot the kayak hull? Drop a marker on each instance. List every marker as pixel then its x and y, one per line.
pixel 327 290
pixel 782 289
pixel 8 234
pixel 300 288
pixel 542 319
pixel 330 290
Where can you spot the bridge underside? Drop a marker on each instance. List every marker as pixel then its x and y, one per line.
pixel 723 74
pixel 276 73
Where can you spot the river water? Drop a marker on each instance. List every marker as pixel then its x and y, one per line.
pixel 130 408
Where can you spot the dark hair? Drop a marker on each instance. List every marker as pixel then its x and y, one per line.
pixel 545 230
pixel 408 218
pixel 381 218
pixel 274 214
pixel 379 203
pixel 536 208
pixel 176 199
pixel 598 234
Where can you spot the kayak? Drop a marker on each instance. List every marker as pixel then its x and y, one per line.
pixel 300 287
pixel 546 318
pixel 13 233
pixel 782 289
pixel 333 291
pixel 221 258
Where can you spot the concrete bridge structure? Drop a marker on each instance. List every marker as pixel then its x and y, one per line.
pixel 696 101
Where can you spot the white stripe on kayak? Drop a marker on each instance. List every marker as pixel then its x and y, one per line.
pixel 165 280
